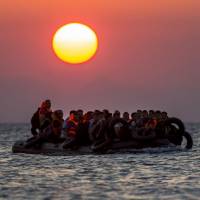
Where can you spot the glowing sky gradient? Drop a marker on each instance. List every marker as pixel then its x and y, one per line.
pixel 148 57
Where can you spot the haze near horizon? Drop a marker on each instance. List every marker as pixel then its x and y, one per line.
pixel 148 57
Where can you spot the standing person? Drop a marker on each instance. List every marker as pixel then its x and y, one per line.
pixel 41 118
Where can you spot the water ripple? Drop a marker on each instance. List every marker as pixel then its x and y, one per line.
pixel 148 175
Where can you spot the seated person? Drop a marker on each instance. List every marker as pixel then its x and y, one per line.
pixel 50 134
pixel 83 127
pixel 145 128
pixel 92 128
pixel 57 115
pixel 116 114
pixel 71 126
pixel 126 116
pixel 100 134
pixel 80 114
pixel 164 116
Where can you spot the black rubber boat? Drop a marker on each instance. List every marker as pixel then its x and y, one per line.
pixel 174 138
pixel 116 147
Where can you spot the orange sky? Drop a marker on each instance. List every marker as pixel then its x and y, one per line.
pixel 148 56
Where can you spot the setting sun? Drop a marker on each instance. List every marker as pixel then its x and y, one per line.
pixel 75 43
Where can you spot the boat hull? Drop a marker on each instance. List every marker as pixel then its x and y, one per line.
pixel 117 147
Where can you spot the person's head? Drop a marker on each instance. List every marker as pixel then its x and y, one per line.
pixel 106 113
pixel 80 113
pixel 73 115
pixel 56 127
pixel 101 115
pixel 48 103
pixel 134 116
pixel 96 115
pixel 144 113
pixel 164 115
pixel 88 116
pixel 116 114
pixel 158 115
pixel 126 116
pixel 109 116
pixel 58 114
pixel 151 113
pixel 139 113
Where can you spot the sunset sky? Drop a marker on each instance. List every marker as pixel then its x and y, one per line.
pixel 148 57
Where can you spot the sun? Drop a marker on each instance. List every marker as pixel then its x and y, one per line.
pixel 75 43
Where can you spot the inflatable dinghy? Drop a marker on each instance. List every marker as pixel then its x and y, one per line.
pixel 116 147
pixel 169 133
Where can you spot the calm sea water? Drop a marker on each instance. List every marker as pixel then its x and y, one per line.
pixel 148 175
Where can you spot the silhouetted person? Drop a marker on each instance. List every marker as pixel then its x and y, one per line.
pixel 51 134
pixel 126 116
pixel 41 118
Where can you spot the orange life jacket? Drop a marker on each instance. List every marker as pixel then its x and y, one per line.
pixel 72 128
pixel 152 123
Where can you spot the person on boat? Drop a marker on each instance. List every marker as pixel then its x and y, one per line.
pixel 146 132
pixel 57 115
pixel 45 114
pixel 132 121
pixel 87 117
pixel 164 115
pixel 126 116
pixel 80 130
pixel 117 126
pixel 93 125
pixel 106 113
pixel 51 134
pixel 108 116
pixel 139 113
pixel 158 115
pixel 82 135
pixel 100 133
pixel 116 114
pixel 35 123
pixel 80 114
pixel 71 115
pixel 145 114
pixel 71 124
pixel 142 119
pixel 143 128
pixel 41 118
pixel 71 130
pixel 151 113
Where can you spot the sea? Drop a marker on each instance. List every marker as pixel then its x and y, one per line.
pixel 158 174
